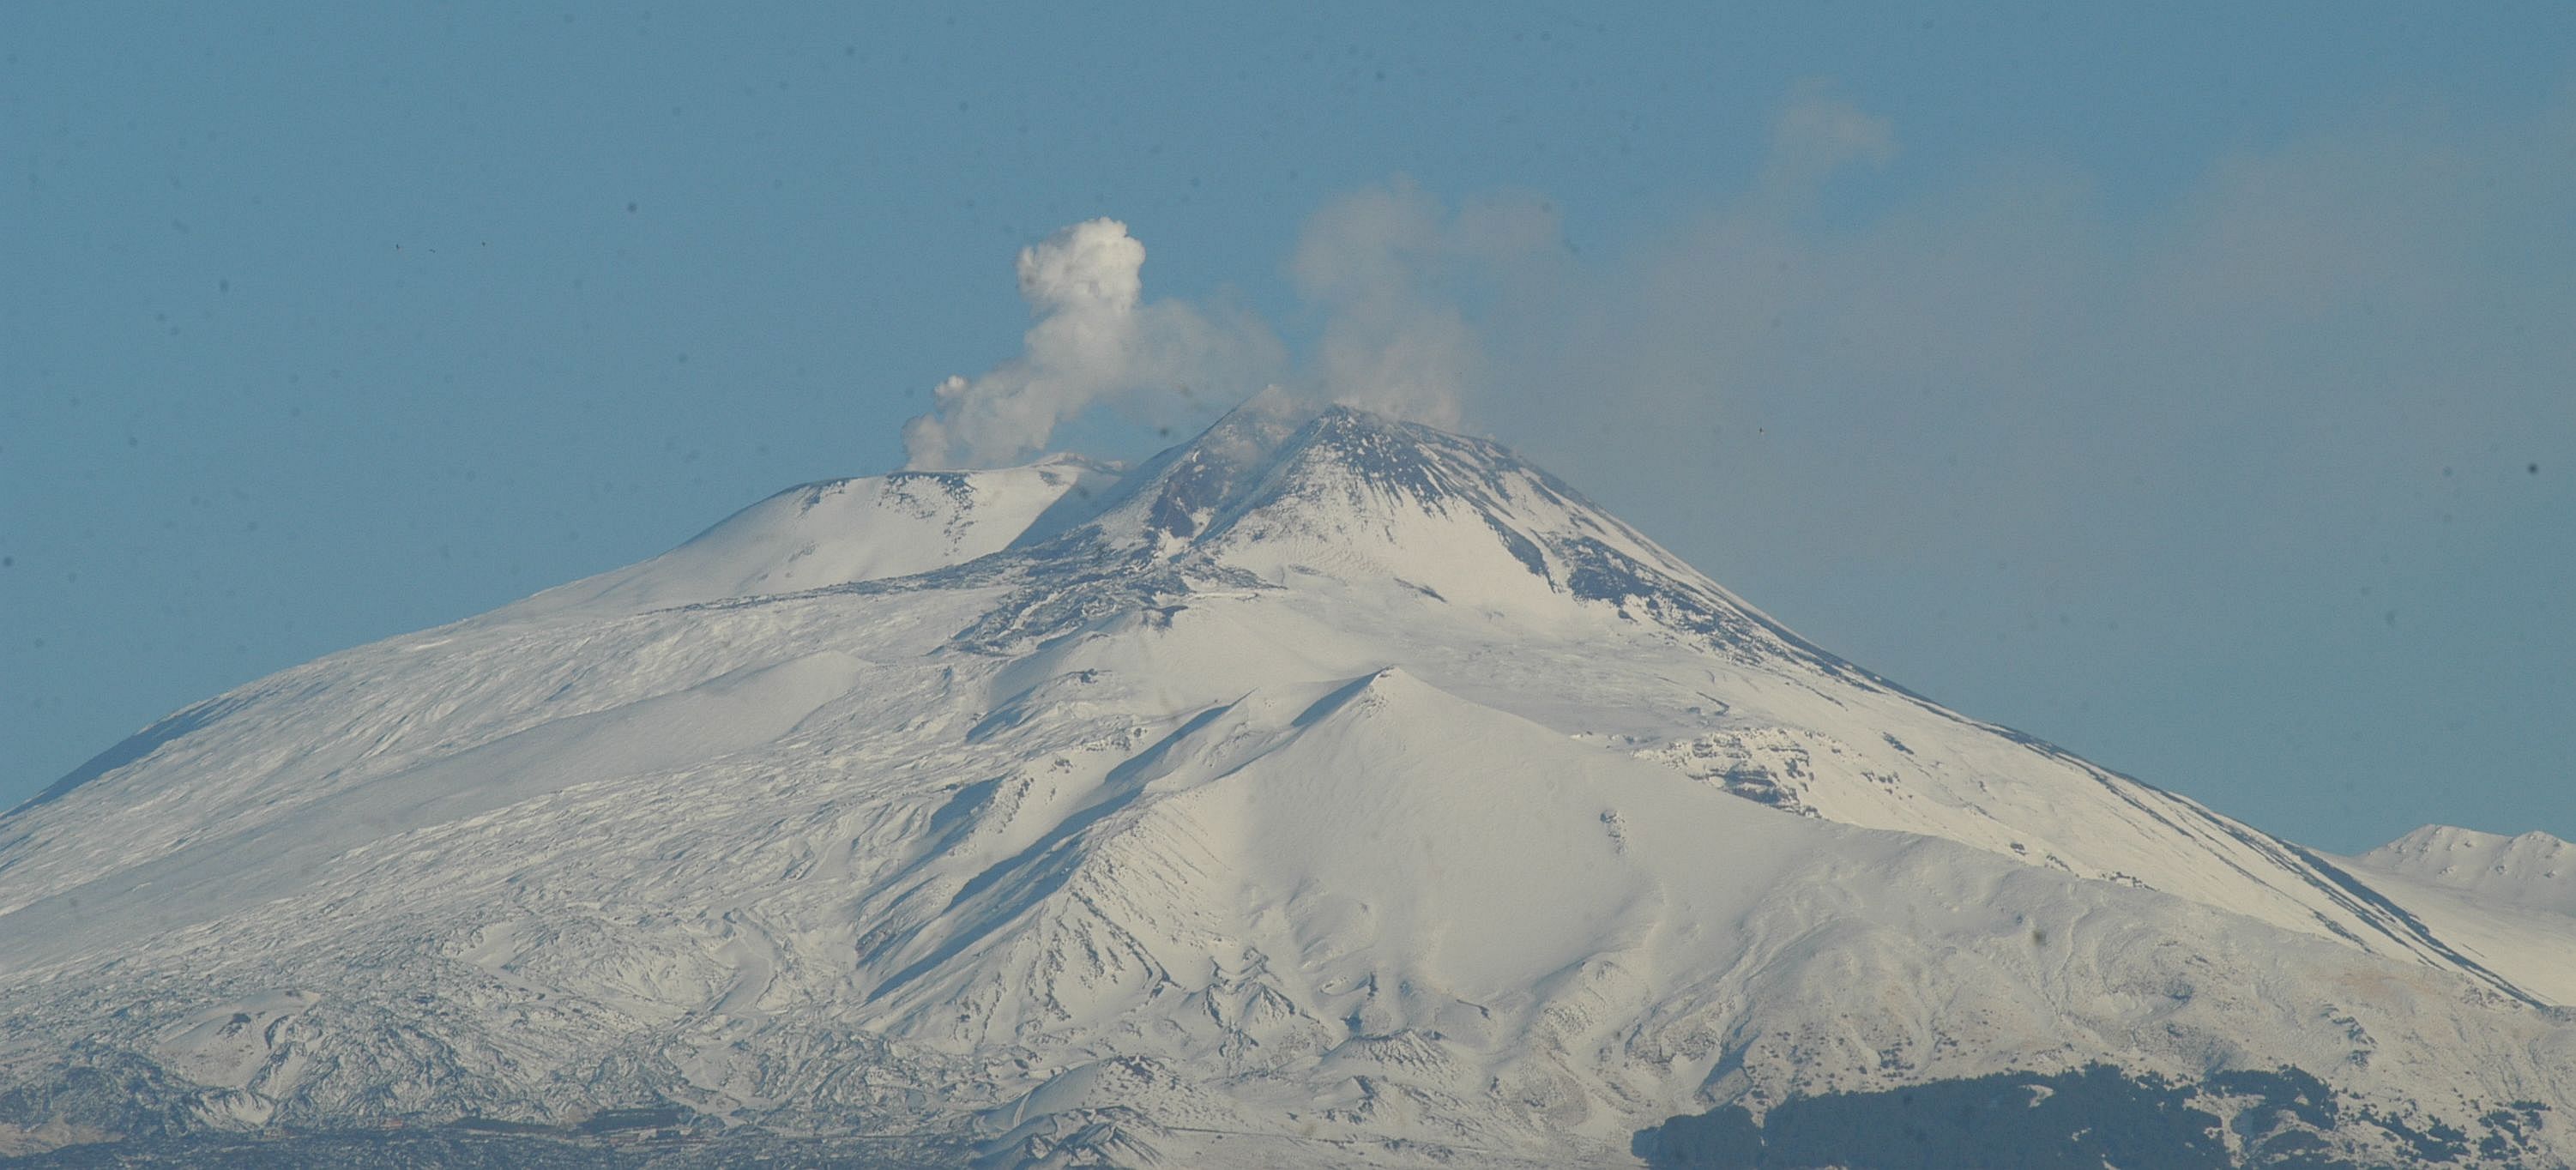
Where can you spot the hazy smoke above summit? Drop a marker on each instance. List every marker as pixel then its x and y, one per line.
pixel 1397 273
pixel 2053 408
pixel 1095 339
pixel 1392 272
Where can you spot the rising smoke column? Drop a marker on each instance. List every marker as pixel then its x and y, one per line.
pixel 1094 339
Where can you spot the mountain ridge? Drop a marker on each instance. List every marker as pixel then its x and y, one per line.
pixel 1324 778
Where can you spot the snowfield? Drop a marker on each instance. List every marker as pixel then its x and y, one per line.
pixel 1325 791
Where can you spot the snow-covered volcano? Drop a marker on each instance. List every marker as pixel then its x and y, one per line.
pixel 1327 790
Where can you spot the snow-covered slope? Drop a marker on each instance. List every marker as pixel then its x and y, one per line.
pixel 2534 871
pixel 1328 790
pixel 841 531
pixel 2507 902
pixel 1444 545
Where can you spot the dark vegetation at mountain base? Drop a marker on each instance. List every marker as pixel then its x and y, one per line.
pixel 463 1148
pixel 113 1092
pixel 2086 1118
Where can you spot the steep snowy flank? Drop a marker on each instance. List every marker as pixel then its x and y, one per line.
pixel 1328 790
pixel 1313 503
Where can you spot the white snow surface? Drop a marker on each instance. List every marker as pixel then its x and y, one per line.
pixel 2510 902
pixel 835 533
pixel 1328 790
pixel 2534 871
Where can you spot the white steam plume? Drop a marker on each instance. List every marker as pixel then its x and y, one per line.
pixel 1095 339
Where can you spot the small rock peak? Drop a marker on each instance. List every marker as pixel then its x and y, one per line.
pixel 1269 450
pixel 1423 462
pixel 1367 692
pixel 2532 870
pixel 1171 499
pixel 1073 461
pixel 2427 838
pixel 1390 681
pixel 2452 844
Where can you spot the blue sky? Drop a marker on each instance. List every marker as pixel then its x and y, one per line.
pixel 2190 385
